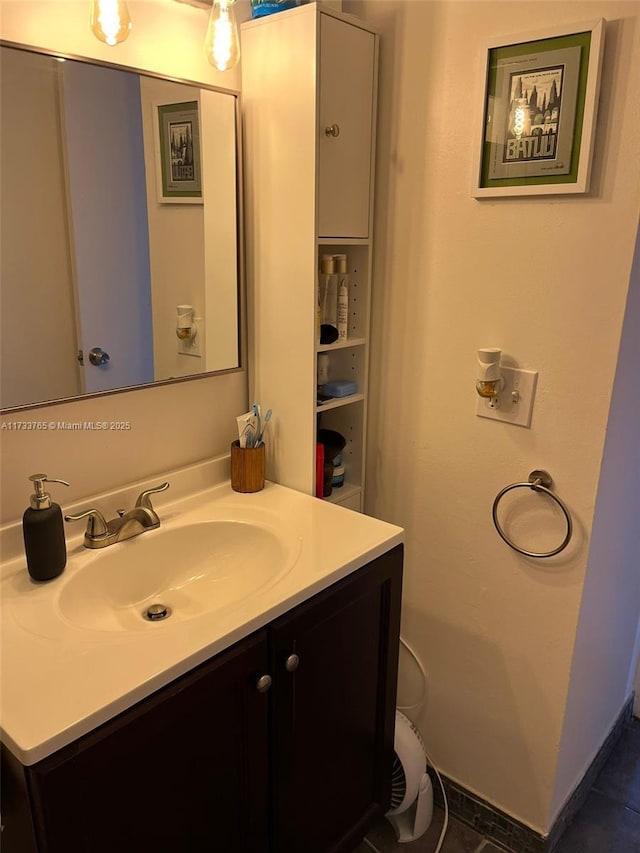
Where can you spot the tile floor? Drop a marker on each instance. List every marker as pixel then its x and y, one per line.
pixel 609 821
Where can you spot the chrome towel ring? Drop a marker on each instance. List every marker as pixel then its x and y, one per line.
pixel 539 481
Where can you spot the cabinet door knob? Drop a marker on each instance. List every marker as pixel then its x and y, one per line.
pixel 263 683
pixel 291 663
pixel 332 130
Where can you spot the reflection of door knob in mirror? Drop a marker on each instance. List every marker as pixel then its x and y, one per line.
pixel 332 130
pixel 98 356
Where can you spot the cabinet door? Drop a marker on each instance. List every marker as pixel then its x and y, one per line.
pixel 347 64
pixel 185 770
pixel 334 714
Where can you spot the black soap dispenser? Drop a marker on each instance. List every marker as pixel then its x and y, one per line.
pixel 43 531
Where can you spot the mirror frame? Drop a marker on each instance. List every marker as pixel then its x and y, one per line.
pixel 240 250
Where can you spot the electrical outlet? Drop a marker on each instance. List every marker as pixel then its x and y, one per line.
pixel 515 402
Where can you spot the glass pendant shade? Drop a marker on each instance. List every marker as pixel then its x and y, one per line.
pixel 110 20
pixel 222 44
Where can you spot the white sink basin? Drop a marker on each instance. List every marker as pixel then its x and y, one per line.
pixel 192 570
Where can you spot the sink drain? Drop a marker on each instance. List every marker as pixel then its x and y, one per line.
pixel 156 612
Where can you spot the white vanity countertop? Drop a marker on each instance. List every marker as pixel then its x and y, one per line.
pixel 60 681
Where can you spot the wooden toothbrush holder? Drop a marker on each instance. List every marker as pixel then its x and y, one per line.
pixel 247 467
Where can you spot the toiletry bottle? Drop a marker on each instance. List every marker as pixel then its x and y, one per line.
pixel 343 296
pixel 43 531
pixel 323 370
pixel 329 292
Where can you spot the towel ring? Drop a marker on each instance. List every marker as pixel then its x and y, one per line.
pixel 539 481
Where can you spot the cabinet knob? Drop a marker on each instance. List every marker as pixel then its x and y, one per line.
pixel 291 663
pixel 332 130
pixel 263 683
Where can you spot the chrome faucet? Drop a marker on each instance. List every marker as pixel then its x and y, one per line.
pixel 100 533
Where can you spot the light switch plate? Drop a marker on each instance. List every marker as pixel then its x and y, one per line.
pixel 192 346
pixel 515 403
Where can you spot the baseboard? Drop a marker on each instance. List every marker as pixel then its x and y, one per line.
pixel 579 794
pixel 510 833
pixel 487 820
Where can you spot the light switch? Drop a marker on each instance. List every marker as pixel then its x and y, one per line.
pixel 515 403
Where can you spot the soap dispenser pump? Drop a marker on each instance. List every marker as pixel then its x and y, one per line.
pixel 43 531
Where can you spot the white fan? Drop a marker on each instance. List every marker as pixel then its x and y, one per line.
pixel 411 791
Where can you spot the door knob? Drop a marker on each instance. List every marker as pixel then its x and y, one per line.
pixel 98 356
pixel 332 130
pixel 263 683
pixel 291 663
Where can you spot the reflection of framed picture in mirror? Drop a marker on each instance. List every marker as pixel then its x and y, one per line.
pixel 539 112
pixel 179 176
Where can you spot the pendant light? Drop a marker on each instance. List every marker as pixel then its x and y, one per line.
pixel 110 20
pixel 222 44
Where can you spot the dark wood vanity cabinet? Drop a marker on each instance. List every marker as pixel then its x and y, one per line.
pixel 212 763
pixel 333 715
pixel 185 769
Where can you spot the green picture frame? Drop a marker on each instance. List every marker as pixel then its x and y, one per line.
pixel 539 112
pixel 179 174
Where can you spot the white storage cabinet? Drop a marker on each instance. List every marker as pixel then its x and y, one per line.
pixel 309 82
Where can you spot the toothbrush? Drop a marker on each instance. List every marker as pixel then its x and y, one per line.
pixel 255 408
pixel 267 418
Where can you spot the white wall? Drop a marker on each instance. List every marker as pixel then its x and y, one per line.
pixel 170 425
pixel 603 668
pixel 495 630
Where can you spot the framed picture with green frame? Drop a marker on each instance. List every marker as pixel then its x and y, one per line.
pixel 539 112
pixel 178 169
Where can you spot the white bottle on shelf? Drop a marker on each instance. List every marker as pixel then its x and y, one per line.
pixel 323 369
pixel 329 291
pixel 343 296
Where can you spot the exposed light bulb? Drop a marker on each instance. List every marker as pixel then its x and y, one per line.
pixel 222 44
pixel 110 20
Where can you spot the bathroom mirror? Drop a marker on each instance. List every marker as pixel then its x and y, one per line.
pixel 119 229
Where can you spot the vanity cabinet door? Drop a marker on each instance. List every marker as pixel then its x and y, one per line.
pixel 345 118
pixel 334 665
pixel 185 770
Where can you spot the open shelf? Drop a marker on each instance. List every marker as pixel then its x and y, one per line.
pixel 337 402
pixel 349 342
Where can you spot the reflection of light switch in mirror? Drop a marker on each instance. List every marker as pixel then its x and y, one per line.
pixel 187 331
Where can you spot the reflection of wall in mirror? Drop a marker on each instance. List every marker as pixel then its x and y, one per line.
pixel 193 247
pixel 37 332
pixel 176 241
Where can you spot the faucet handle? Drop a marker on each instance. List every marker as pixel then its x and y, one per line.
pixel 145 501
pixel 96 522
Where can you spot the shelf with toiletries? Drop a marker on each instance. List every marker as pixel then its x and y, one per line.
pixel 357 264
pixel 345 373
pixel 348 421
pixel 318 101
